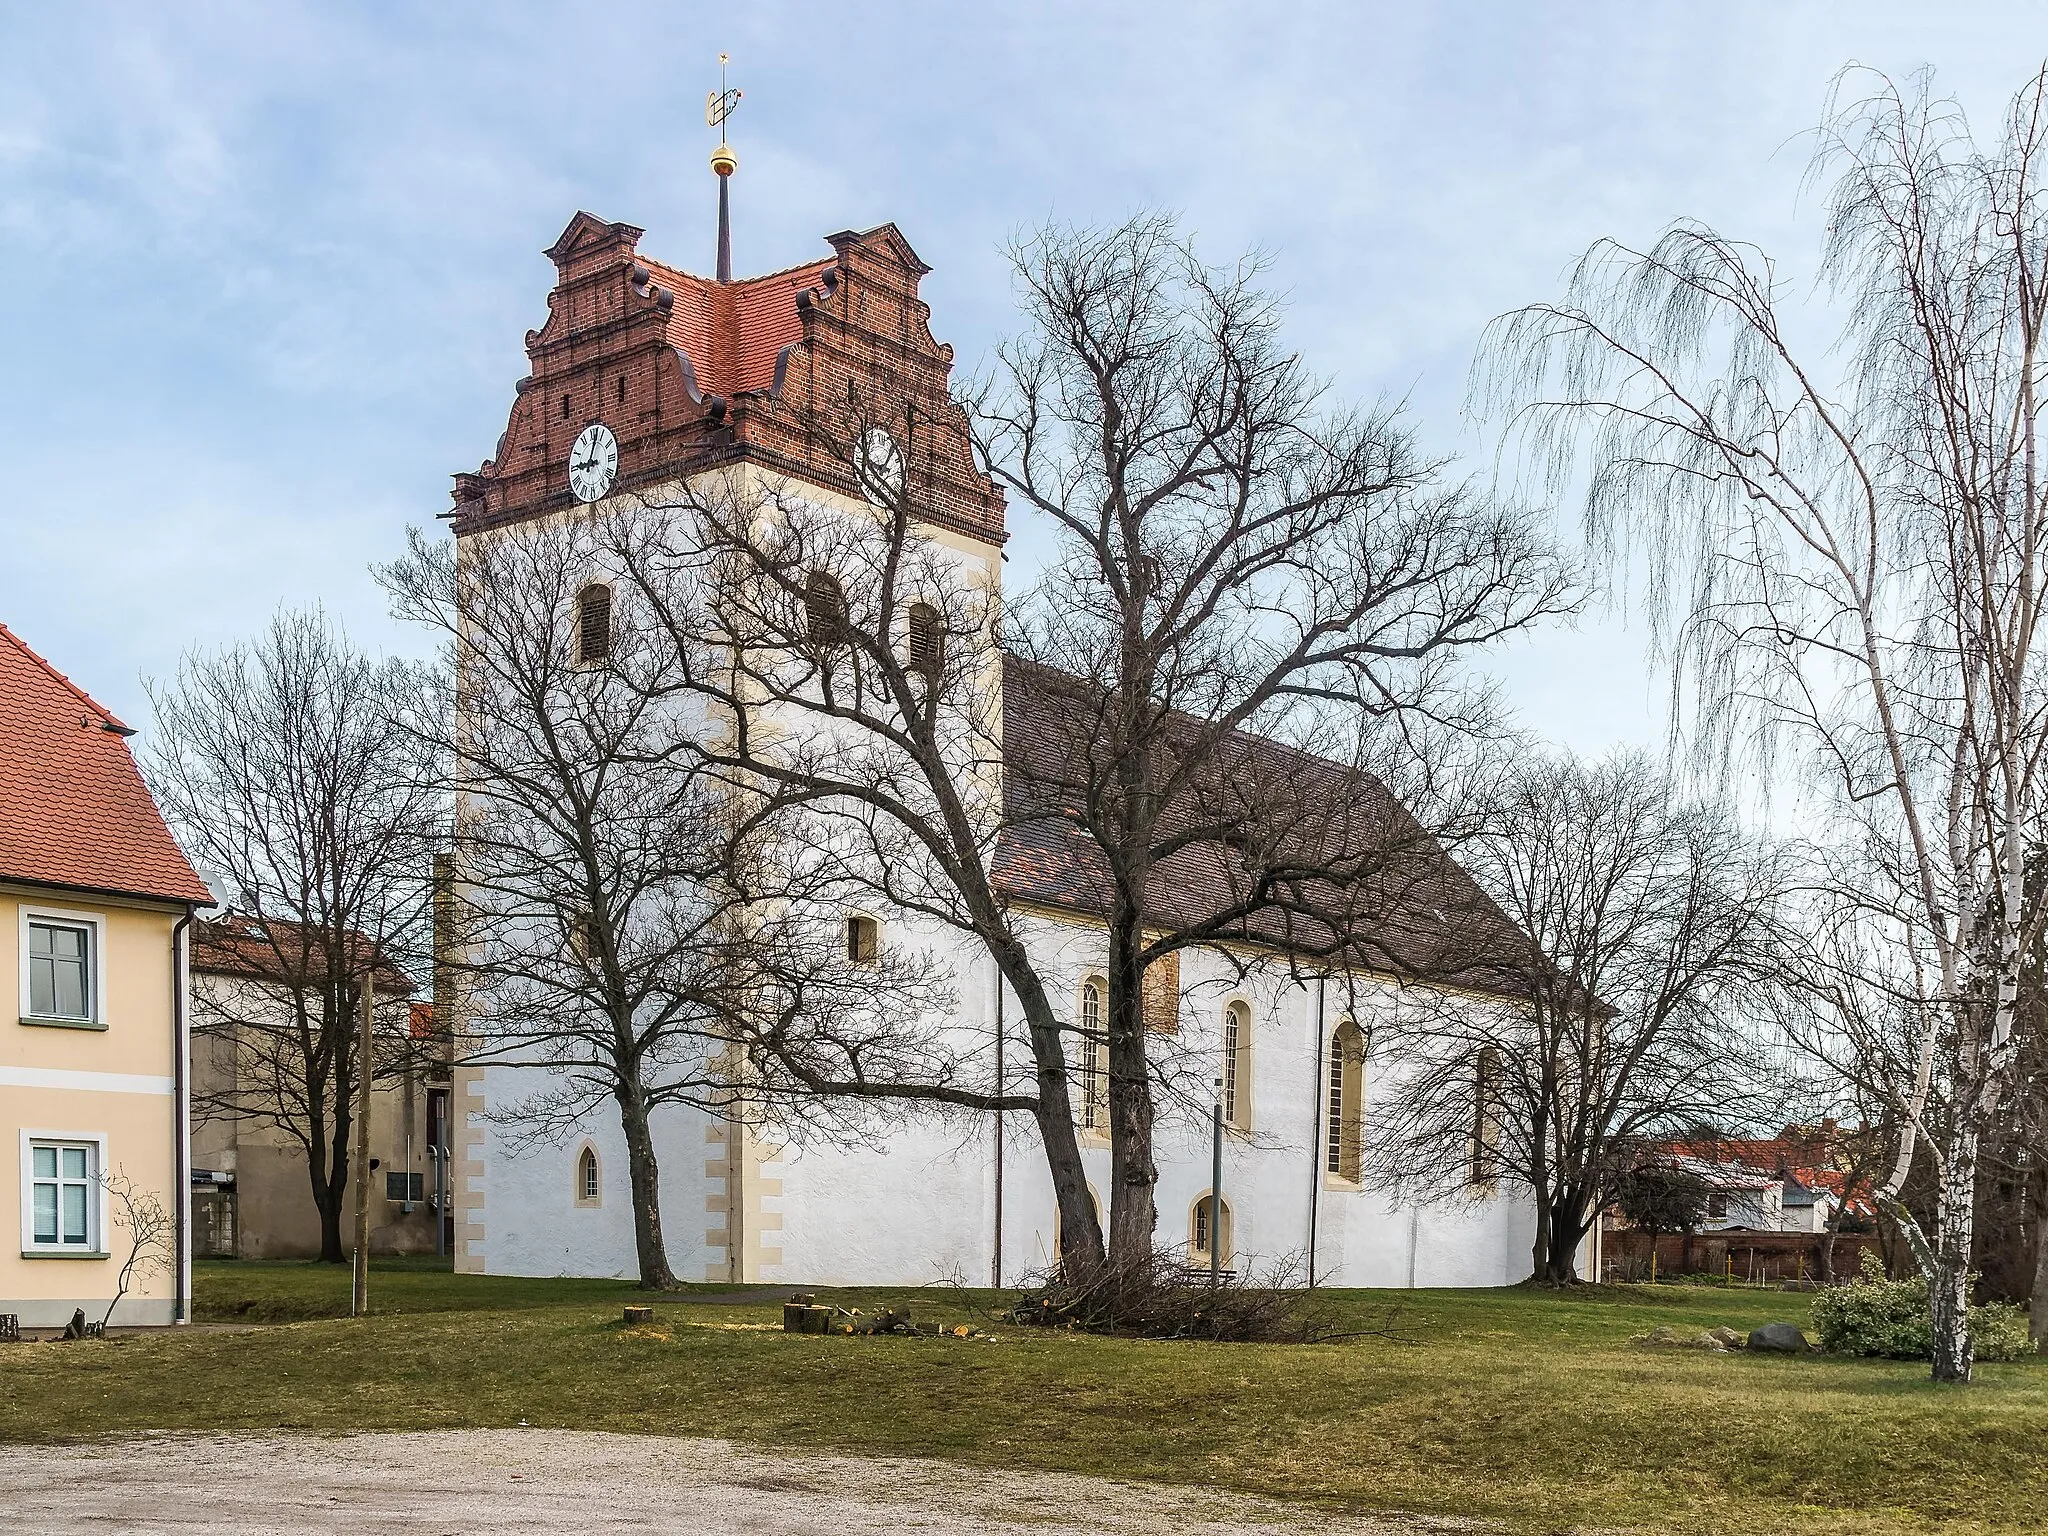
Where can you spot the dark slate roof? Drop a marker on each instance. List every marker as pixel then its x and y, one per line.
pixel 1406 906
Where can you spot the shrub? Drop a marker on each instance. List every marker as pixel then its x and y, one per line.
pixel 1872 1315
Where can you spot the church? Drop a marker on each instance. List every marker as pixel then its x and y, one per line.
pixel 646 376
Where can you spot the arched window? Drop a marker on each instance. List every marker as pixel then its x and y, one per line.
pixel 926 644
pixel 1486 1115
pixel 594 623
pixel 1202 1226
pixel 586 1177
pixel 1237 1066
pixel 863 938
pixel 824 608
pixel 1345 1088
pixel 1094 1059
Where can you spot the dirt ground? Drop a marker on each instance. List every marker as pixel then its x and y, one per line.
pixel 439 1483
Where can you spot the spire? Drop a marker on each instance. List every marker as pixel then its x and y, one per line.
pixel 717 108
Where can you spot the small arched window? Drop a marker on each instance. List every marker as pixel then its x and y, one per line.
pixel 824 608
pixel 1486 1115
pixel 594 624
pixel 1202 1228
pixel 587 1187
pixel 1345 1087
pixel 926 645
pixel 863 938
pixel 1237 1066
pixel 1094 1059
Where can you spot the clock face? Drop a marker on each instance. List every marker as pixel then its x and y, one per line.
pixel 878 467
pixel 593 462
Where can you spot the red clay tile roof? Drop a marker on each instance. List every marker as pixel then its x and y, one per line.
pixel 733 332
pixel 73 808
pixel 235 944
pixel 1802 1153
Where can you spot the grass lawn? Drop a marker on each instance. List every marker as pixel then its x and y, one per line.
pixel 1530 1408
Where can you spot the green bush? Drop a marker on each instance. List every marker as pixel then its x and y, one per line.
pixel 1872 1315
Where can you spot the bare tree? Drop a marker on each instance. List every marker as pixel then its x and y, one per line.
pixel 629 922
pixel 291 768
pixel 1236 564
pixel 1647 928
pixel 1851 567
pixel 851 663
pixel 152 1233
pixel 1235 556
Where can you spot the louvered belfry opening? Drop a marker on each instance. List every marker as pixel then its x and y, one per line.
pixel 824 608
pixel 594 624
pixel 926 645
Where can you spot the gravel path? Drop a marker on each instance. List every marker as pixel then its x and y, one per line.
pixel 444 1482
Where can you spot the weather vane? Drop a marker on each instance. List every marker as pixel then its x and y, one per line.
pixel 718 104
pixel 717 108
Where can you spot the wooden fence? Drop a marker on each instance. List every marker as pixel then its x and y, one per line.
pixel 1747 1258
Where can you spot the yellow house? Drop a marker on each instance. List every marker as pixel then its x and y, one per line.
pixel 96 903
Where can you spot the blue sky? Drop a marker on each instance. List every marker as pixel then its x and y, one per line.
pixel 265 269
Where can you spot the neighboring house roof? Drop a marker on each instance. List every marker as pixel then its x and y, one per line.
pixel 1414 911
pixel 73 808
pixel 1798 1158
pixel 278 951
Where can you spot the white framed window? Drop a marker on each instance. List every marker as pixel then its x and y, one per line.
pixel 63 1198
pixel 1237 1067
pixel 588 1188
pixel 61 953
pixel 1094 1059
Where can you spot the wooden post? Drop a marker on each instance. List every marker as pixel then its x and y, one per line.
pixel 1216 1190
pixel 359 1298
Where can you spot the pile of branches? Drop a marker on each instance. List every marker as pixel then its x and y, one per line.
pixel 1160 1297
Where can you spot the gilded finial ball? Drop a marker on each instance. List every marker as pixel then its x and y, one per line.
pixel 724 161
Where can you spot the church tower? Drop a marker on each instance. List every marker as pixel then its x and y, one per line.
pixel 645 376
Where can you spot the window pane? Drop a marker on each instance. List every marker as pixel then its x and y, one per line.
pixel 58 974
pixel 46 1162
pixel 46 1211
pixel 74 1162
pixel 74 1213
pixel 70 986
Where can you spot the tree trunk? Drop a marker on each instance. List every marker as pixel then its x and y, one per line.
pixel 644 1174
pixel 1539 1253
pixel 1824 1252
pixel 1948 1265
pixel 1134 1173
pixel 2037 1305
pixel 1563 1230
pixel 329 1173
pixel 1080 1231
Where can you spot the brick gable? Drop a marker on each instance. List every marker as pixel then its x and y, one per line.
pixel 693 374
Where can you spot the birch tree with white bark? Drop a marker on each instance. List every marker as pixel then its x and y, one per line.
pixel 1846 556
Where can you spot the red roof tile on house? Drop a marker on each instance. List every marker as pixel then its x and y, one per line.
pixel 73 808
pixel 283 952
